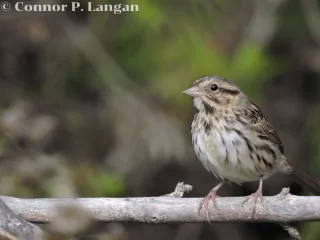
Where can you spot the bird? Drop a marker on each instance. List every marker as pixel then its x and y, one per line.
pixel 234 140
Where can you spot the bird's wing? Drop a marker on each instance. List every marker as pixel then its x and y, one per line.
pixel 258 123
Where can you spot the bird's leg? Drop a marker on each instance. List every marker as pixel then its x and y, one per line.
pixel 255 196
pixel 211 196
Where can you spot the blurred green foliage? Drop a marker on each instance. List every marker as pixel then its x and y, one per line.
pixel 156 52
pixel 310 231
pixel 93 181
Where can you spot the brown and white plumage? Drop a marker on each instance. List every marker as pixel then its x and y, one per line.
pixel 233 139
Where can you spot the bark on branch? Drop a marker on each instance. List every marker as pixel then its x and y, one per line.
pixel 283 207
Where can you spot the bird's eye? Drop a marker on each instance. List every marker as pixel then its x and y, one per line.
pixel 214 87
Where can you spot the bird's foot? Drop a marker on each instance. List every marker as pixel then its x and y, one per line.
pixel 212 195
pixel 254 196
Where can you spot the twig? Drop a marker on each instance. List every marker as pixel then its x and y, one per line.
pixel 293 232
pixel 180 189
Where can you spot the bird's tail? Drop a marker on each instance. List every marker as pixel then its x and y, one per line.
pixel 304 179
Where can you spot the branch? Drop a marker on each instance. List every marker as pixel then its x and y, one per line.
pixel 13 227
pixel 283 207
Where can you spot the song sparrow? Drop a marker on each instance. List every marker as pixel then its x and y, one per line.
pixel 234 140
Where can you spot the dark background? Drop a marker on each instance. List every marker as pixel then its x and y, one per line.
pixel 91 102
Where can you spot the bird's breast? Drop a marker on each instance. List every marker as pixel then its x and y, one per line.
pixel 233 153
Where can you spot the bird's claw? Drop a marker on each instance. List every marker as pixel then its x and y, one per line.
pixel 255 196
pixel 212 195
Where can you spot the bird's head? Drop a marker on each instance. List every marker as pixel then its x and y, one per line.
pixel 214 93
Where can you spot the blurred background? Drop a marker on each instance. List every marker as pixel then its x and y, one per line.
pixel 91 102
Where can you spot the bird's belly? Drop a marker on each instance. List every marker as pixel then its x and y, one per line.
pixel 230 156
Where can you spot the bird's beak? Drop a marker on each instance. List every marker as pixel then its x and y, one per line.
pixel 193 91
